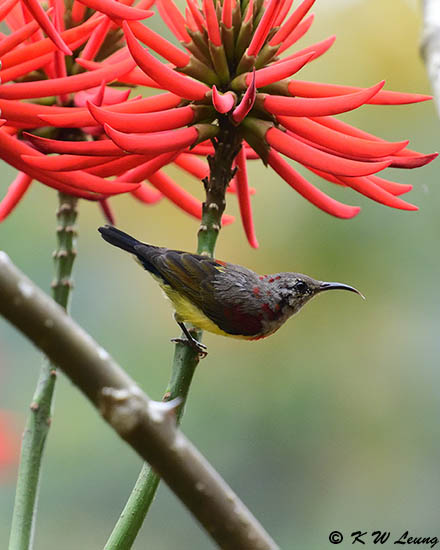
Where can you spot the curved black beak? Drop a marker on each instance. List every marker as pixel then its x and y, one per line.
pixel 339 286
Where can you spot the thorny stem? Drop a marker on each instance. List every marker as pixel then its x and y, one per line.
pixel 39 419
pixel 227 145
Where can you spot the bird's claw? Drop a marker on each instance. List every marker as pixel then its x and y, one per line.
pixel 200 348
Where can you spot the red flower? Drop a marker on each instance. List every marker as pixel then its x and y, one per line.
pixel 229 69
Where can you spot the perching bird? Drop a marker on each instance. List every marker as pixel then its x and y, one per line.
pixel 220 297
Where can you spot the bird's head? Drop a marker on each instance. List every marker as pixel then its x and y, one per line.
pixel 297 289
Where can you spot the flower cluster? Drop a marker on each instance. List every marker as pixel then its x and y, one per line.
pixel 229 70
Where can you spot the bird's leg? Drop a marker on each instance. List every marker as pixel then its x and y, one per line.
pixel 190 341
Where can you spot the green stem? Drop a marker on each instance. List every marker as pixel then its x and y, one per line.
pixel 39 419
pixel 186 359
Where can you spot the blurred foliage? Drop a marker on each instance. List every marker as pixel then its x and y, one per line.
pixel 329 424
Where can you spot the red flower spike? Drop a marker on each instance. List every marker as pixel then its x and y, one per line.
pixel 309 191
pixel 64 85
pixel 46 24
pixel 304 154
pixel 244 198
pixel 144 122
pixel 147 195
pixel 303 88
pixel 174 82
pixel 212 23
pixel 331 139
pixel 247 102
pixel 180 197
pixel 161 46
pixel 174 19
pixel 15 193
pixel 314 107
pixel 107 211
pixel 223 103
pixel 263 28
pixel 227 14
pixel 116 9
pixel 160 142
pixel 291 23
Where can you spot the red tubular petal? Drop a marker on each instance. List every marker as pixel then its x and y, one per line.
pixel 146 169
pixel 244 198
pixel 366 187
pixel 227 14
pixel 180 197
pixel 347 145
pixel 264 27
pixel 223 103
pixel 391 186
pixel 65 163
pixel 71 36
pixel 279 71
pixel 78 12
pixel 25 68
pixel 86 185
pixel 15 193
pixel 155 142
pixel 319 48
pixel 171 80
pixel 117 9
pixel 46 24
pixel 159 44
pixel 291 23
pixel 147 195
pixel 287 4
pixel 383 97
pixel 313 107
pixel 64 85
pixel 144 122
pixel 249 12
pixel 297 33
pixel 309 156
pixel 212 23
pixel 92 148
pixel 198 17
pixel 107 211
pixel 247 102
pixel 118 166
pixel 71 117
pixel 205 149
pixel 18 37
pixel 173 19
pixel 6 7
pixel 309 191
pixel 411 162
pixel 193 165
pixel 96 40
pixel 190 21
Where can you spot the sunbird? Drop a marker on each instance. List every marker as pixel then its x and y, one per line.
pixel 221 297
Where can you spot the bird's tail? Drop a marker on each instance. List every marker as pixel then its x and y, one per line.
pixel 118 238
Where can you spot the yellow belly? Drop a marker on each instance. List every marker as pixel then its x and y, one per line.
pixel 190 313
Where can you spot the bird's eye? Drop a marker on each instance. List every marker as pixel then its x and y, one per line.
pixel 300 286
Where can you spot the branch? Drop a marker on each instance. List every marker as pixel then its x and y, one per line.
pixel 147 426
pixel 430 45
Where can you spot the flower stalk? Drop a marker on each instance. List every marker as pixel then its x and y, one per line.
pixel 41 408
pixel 226 147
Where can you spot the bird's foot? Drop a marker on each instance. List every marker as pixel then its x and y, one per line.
pixel 200 348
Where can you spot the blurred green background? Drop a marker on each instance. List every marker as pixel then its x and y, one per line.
pixel 333 422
